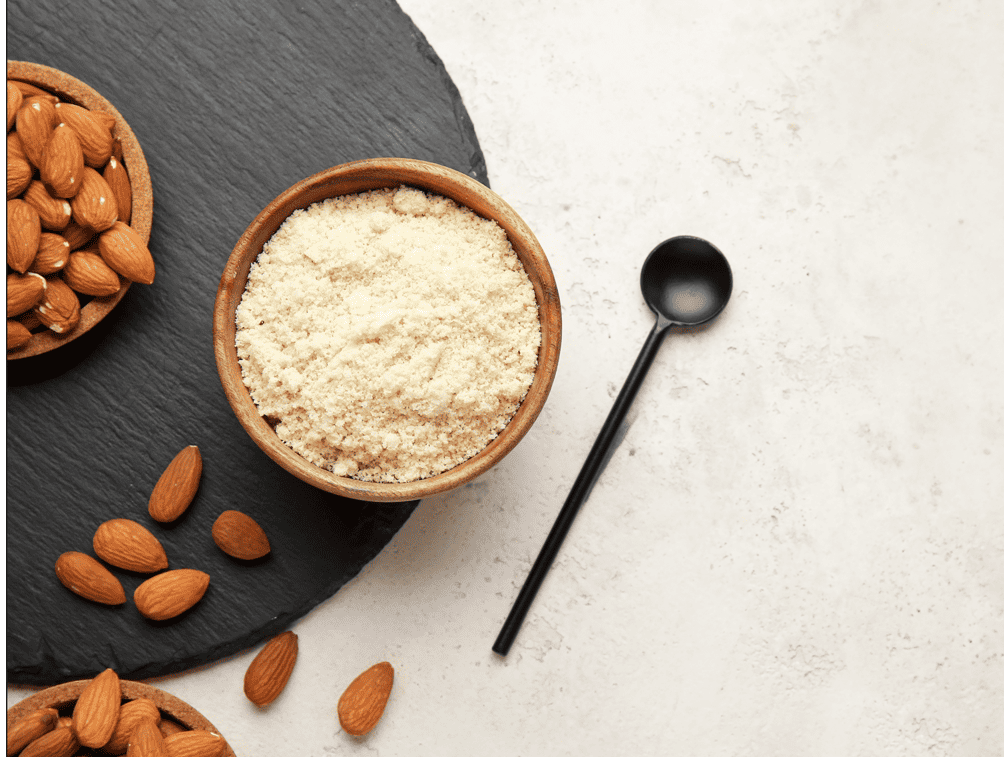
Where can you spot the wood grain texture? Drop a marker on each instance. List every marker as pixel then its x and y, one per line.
pixel 232 104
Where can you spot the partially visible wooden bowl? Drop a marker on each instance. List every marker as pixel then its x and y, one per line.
pixel 73 90
pixel 63 696
pixel 362 176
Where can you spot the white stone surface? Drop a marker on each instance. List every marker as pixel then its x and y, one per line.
pixel 798 548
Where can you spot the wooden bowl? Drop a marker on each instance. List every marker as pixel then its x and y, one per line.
pixel 65 695
pixel 75 91
pixel 361 176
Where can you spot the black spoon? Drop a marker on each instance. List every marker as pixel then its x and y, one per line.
pixel 686 282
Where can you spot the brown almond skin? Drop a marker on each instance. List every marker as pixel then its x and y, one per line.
pixel 60 742
pixel 238 535
pixel 97 710
pixel 30 90
pixel 34 126
pixel 177 486
pixel 52 256
pixel 94 203
pixel 30 727
pixel 14 100
pixel 117 176
pixel 126 544
pixel 362 704
pixel 170 727
pixel 19 175
pixel 85 576
pixel 171 593
pixel 146 740
pixel 24 230
pixel 62 163
pixel 78 236
pixel 18 334
pixel 131 715
pixel 269 671
pixel 59 308
pixel 86 272
pixel 95 137
pixel 125 251
pixel 195 743
pixel 24 290
pixel 53 212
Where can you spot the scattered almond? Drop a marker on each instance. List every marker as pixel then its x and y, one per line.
pixel 94 204
pixel 240 536
pixel 17 334
pixel 84 575
pixel 52 256
pixel 269 671
pixel 177 485
pixel 87 273
pixel 60 742
pixel 97 709
pixel 126 544
pixel 24 290
pixel 23 232
pixel 33 725
pixel 362 704
pixel 125 251
pixel 62 163
pixel 169 594
pixel 146 740
pixel 34 126
pixel 195 743
pixel 131 714
pixel 53 212
pixel 118 179
pixel 59 308
pixel 95 137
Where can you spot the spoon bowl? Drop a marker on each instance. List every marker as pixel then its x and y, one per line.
pixel 686 281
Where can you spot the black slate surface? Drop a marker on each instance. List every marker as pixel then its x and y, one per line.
pixel 232 102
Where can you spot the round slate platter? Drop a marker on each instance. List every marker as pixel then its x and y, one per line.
pixel 232 102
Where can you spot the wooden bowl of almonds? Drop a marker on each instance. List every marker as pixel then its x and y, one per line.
pixel 79 209
pixel 387 329
pixel 103 715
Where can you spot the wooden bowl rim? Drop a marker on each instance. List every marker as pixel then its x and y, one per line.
pixel 350 178
pixel 69 88
pixel 64 694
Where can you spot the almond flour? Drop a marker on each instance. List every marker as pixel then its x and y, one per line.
pixel 388 335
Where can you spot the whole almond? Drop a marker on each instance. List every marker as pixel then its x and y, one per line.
pixel 88 273
pixel 95 137
pixel 33 725
pixel 60 742
pixel 23 232
pixel 24 290
pixel 52 256
pixel 78 235
pixel 240 536
pixel 195 743
pixel 17 334
pixel 34 126
pixel 126 544
pixel 117 176
pixel 146 740
pixel 169 594
pixel 176 486
pixel 59 308
pixel 53 212
pixel 30 90
pixel 170 727
pixel 14 100
pixel 361 705
pixel 97 709
pixel 14 146
pixel 84 575
pixel 131 714
pixel 125 251
pixel 19 175
pixel 269 671
pixel 94 203
pixel 62 162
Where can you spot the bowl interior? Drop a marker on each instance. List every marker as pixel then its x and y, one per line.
pixel 70 89
pixel 361 176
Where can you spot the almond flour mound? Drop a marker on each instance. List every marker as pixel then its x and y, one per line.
pixel 393 334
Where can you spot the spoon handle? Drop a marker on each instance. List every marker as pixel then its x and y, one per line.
pixel 587 477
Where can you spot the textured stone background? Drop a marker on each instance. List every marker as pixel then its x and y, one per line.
pixel 798 549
